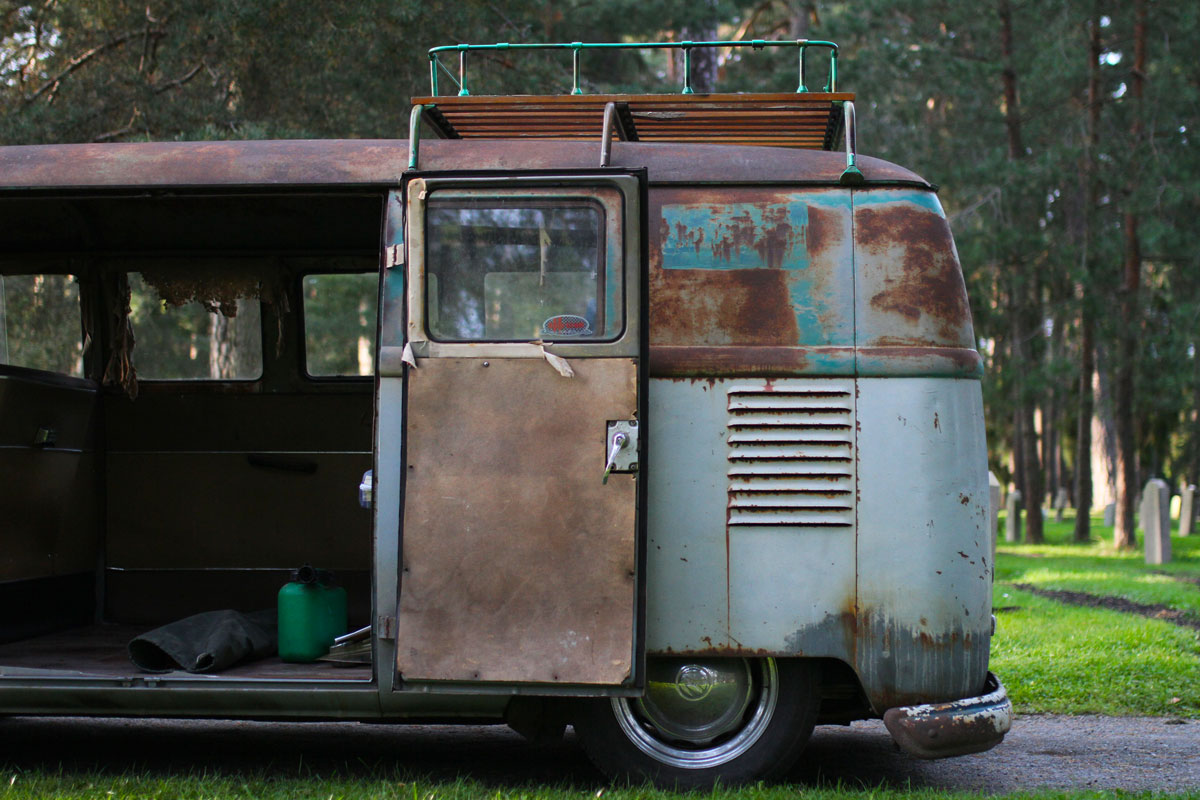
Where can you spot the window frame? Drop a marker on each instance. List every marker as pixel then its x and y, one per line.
pixel 24 370
pixel 262 340
pixel 625 250
pixel 303 322
pixel 608 264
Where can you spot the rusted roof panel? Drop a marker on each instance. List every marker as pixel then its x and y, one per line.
pixel 811 120
pixel 382 162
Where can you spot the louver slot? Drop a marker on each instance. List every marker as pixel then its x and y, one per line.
pixel 791 460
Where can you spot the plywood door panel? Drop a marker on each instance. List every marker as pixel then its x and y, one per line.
pixel 518 563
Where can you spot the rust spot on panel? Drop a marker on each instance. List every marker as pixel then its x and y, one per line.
pixel 901 664
pixel 962 498
pixel 666 362
pixel 722 652
pixel 721 307
pixel 736 305
pixel 927 282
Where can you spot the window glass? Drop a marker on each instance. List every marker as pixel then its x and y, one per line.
pixel 40 323
pixel 213 340
pixel 517 269
pixel 339 323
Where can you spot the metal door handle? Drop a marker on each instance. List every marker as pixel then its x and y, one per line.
pixel 619 440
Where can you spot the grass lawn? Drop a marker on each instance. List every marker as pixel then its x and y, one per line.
pixel 1055 657
pixel 205 787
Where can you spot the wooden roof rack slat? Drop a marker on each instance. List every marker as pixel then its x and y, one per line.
pixel 802 119
pixel 811 120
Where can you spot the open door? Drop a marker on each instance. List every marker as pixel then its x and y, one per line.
pixel 522 530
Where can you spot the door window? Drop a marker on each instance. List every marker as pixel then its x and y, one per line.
pixel 520 269
pixel 40 324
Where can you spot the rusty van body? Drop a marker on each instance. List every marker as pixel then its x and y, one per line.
pixel 685 449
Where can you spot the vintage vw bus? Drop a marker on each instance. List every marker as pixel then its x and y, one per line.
pixel 669 414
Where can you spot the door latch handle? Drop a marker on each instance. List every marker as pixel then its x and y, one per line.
pixel 619 440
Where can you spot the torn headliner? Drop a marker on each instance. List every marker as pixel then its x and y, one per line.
pixel 362 162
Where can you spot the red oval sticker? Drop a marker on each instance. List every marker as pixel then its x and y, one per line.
pixel 567 325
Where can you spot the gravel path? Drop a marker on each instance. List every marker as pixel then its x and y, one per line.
pixel 1041 752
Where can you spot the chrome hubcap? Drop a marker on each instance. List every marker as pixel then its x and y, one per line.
pixel 700 713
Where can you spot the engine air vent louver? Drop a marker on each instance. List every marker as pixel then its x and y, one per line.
pixel 791 460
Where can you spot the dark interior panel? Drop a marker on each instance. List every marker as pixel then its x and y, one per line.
pixel 139 503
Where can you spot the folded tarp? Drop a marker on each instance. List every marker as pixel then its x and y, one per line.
pixel 207 642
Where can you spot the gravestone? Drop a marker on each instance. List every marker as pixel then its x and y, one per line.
pixel 1012 523
pixel 1156 521
pixel 993 509
pixel 1110 514
pixel 1187 511
pixel 1060 503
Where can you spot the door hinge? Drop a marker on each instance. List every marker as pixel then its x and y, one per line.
pixel 394 255
pixel 387 627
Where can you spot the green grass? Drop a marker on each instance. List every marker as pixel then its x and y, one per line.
pixel 1058 658
pixel 100 786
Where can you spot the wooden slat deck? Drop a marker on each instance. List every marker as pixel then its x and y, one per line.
pixel 811 121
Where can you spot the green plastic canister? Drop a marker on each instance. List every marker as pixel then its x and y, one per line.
pixel 312 613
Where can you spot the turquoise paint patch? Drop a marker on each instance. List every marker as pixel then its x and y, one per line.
pixel 821 317
pixel 391 329
pixel 735 236
pixel 394 230
pixel 924 199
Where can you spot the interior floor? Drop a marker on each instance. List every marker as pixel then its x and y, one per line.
pixel 100 650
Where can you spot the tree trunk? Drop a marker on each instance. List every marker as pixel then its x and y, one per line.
pixel 704 59
pixel 1023 306
pixel 1087 325
pixel 1124 536
pixel 802 12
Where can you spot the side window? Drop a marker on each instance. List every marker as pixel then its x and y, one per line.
pixel 40 323
pixel 186 339
pixel 520 268
pixel 339 323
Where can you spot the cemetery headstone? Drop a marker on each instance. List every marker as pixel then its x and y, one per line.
pixel 994 509
pixel 1156 521
pixel 1012 522
pixel 1060 504
pixel 1187 511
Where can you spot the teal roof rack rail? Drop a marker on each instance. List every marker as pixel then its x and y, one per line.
pixel 576 48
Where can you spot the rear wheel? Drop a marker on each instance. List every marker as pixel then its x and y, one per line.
pixel 704 720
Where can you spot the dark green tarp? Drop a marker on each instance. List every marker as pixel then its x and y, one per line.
pixel 207 642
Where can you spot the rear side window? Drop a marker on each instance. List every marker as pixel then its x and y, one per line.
pixel 519 269
pixel 193 340
pixel 40 323
pixel 339 324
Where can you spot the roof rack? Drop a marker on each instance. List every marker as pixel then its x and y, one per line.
pixel 803 119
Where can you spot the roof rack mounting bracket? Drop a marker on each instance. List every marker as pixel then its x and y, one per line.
pixel 612 120
pixel 852 175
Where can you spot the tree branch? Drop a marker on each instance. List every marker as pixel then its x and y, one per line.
pixel 182 80
pixel 85 57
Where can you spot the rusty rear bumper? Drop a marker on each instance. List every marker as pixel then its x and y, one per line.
pixel 940 730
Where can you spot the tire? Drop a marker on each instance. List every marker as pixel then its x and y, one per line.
pixel 704 721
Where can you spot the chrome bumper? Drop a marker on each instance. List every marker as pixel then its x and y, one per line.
pixel 940 730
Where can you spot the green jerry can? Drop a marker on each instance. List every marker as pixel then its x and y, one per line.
pixel 312 613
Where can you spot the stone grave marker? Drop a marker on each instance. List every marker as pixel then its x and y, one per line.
pixel 1187 511
pixel 1110 514
pixel 1060 503
pixel 1012 524
pixel 1156 521
pixel 994 509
